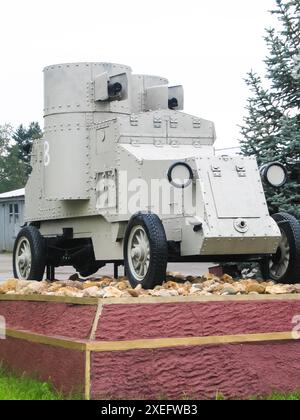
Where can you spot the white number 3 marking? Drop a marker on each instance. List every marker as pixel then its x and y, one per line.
pixel 46 153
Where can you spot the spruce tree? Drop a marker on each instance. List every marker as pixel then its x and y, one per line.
pixel 271 129
pixel 15 155
pixel 24 138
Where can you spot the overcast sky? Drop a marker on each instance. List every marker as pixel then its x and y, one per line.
pixel 206 45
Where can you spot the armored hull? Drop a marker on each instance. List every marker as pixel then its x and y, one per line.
pixel 122 174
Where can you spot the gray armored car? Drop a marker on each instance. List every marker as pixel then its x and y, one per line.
pixel 122 176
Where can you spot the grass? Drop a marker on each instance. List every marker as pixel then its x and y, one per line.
pixel 295 396
pixel 21 388
pixel 276 396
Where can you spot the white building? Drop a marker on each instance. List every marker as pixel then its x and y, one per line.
pixel 11 218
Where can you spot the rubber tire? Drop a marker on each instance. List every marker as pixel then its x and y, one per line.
pixel 158 250
pixel 38 252
pixel 291 227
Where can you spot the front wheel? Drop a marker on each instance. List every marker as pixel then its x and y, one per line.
pixel 29 256
pixel 145 251
pixel 284 266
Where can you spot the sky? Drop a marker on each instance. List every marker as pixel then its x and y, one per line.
pixel 208 46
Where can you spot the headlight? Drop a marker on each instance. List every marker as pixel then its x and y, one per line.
pixel 274 174
pixel 180 175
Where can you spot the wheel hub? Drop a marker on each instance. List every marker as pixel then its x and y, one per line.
pixel 139 250
pixel 23 259
pixel 279 264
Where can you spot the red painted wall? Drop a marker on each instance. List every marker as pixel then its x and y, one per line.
pixel 199 372
pixel 234 370
pixel 130 322
pixel 64 368
pixel 73 321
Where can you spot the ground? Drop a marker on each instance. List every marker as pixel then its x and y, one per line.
pixel 21 388
pixel 64 273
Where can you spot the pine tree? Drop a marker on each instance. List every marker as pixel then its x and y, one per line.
pixel 271 130
pixel 24 138
pixel 5 136
pixel 15 155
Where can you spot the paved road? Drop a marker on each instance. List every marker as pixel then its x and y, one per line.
pixel 193 269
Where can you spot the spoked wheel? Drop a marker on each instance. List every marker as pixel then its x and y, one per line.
pixel 145 251
pixel 139 252
pixel 284 266
pixel 23 258
pixel 29 257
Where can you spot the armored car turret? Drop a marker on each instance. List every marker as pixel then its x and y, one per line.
pixel 123 176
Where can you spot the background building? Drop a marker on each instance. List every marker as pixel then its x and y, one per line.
pixel 11 218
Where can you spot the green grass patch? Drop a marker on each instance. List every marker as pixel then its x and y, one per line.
pixel 13 387
pixel 22 388
pixel 276 396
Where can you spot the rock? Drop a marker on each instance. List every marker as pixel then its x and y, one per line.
pixel 21 284
pixel 266 284
pixel 133 293
pixel 197 286
pixel 67 291
pixel 227 279
pixel 78 285
pixel 173 274
pixel 187 286
pixel 122 285
pixel 34 287
pixel 228 289
pixel 297 288
pixel 125 294
pixel 204 293
pixel 120 279
pixel 175 277
pixel 209 283
pixel 144 292
pixel 105 282
pixel 107 287
pixel 255 287
pixel 182 291
pixel 215 287
pixel 8 286
pixel 54 287
pixel 193 290
pixel 112 292
pixel 65 283
pixel 91 291
pixel 191 279
pixel 171 285
pixel 208 277
pixel 89 284
pixel 197 280
pixel 241 288
pixel 180 278
pixel 164 293
pixel 280 289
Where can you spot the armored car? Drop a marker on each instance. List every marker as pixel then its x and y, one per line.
pixel 122 175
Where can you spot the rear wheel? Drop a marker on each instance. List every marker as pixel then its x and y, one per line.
pixel 284 266
pixel 145 251
pixel 29 256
